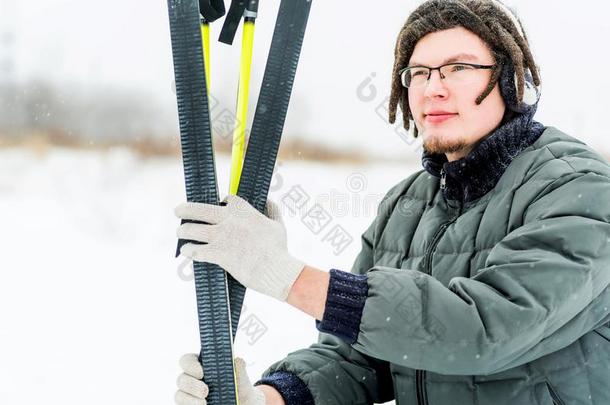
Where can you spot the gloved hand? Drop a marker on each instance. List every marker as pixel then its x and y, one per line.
pixel 193 391
pixel 244 242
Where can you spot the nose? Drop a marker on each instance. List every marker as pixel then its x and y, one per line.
pixel 435 85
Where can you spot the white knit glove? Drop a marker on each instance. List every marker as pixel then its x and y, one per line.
pixel 244 242
pixel 193 391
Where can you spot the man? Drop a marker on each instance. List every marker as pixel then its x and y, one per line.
pixel 484 277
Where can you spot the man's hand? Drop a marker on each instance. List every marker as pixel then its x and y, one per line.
pixel 193 391
pixel 244 242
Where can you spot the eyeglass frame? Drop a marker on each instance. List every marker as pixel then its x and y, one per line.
pixel 431 69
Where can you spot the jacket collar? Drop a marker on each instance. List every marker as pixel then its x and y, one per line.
pixel 475 174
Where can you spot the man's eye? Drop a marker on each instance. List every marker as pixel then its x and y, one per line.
pixel 458 68
pixel 417 73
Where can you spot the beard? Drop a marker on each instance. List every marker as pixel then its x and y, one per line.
pixel 438 144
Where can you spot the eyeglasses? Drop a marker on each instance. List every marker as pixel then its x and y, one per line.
pixel 452 73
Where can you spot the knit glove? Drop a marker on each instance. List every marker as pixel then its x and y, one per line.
pixel 193 391
pixel 249 245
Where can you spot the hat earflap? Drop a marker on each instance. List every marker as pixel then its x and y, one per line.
pixel 509 90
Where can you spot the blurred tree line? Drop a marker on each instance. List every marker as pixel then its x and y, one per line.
pixel 98 114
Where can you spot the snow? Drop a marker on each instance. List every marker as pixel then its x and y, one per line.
pixel 95 308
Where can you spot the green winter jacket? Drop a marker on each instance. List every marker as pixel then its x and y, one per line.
pixel 498 296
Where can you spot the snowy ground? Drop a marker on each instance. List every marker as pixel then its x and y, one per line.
pixel 95 309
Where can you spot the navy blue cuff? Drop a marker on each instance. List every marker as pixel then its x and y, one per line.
pixel 347 293
pixel 291 388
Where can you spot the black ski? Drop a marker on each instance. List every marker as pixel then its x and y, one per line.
pixel 199 171
pixel 269 117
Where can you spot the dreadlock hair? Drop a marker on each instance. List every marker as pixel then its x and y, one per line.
pixel 491 20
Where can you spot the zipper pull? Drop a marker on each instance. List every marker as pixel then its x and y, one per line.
pixel 443 179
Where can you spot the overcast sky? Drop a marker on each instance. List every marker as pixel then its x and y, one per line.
pixel 125 44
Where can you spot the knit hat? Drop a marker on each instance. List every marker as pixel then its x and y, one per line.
pixel 497 25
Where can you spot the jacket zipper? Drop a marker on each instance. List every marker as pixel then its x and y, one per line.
pixel 420 375
pixel 419 378
pixel 443 179
pixel 554 396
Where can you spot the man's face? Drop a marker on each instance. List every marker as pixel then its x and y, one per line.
pixel 459 133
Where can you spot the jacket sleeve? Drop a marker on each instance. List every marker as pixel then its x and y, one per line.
pixel 331 371
pixel 543 286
